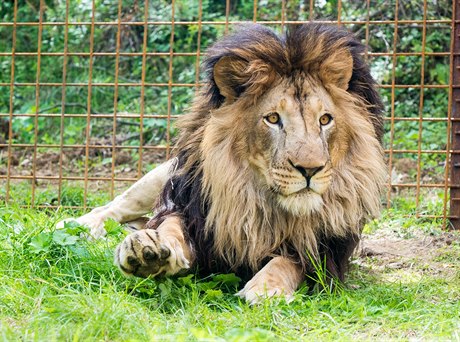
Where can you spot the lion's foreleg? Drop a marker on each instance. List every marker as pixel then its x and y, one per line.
pixel 280 277
pixel 138 200
pixel 151 252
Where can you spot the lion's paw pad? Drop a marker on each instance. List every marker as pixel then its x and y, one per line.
pixel 144 253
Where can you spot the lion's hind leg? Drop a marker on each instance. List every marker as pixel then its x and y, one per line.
pixel 280 277
pixel 153 252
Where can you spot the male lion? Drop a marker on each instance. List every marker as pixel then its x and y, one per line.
pixel 278 163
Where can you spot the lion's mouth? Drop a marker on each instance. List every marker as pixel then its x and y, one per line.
pixel 301 187
pixel 305 191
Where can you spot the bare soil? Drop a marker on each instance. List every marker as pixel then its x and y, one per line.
pixel 402 258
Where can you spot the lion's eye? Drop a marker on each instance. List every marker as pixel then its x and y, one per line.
pixel 273 118
pixel 325 119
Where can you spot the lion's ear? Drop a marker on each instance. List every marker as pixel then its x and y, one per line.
pixel 229 75
pixel 234 75
pixel 337 69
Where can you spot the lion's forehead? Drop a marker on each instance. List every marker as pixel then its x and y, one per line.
pixel 306 97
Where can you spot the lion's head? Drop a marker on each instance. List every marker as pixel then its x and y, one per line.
pixel 293 137
pixel 281 151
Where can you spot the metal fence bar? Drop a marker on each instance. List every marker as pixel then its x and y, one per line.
pixel 454 102
pixel 106 178
pixel 170 80
pixel 11 104
pixel 37 98
pixel 447 160
pixel 175 116
pixel 88 104
pixel 191 54
pixel 142 115
pixel 186 85
pixel 115 99
pixel 392 106
pixel 366 53
pixel 164 147
pixel 339 13
pixel 63 101
pixel 231 22
pixel 198 47
pixel 420 111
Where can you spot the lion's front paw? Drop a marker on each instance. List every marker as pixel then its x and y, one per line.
pixel 257 290
pixel 145 253
pixel 280 277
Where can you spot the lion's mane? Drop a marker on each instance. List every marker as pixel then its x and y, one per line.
pixel 233 223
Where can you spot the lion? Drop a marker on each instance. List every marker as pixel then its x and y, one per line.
pixel 278 163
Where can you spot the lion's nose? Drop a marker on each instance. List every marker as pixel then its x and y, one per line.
pixel 308 172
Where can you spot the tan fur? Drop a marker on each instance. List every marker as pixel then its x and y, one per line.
pixel 258 202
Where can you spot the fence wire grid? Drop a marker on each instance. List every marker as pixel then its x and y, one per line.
pixel 90 89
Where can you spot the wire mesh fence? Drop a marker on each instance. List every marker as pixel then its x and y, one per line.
pixel 90 89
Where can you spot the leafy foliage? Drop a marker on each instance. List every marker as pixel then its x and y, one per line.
pixel 407 68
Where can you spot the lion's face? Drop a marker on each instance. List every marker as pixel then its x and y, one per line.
pixel 293 131
pixel 292 137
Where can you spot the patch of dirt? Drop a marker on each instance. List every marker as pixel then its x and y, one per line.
pixel 405 170
pixel 399 258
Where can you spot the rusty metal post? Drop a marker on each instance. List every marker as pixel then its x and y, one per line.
pixel 455 116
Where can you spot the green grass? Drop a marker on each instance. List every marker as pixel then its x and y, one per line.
pixel 55 285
